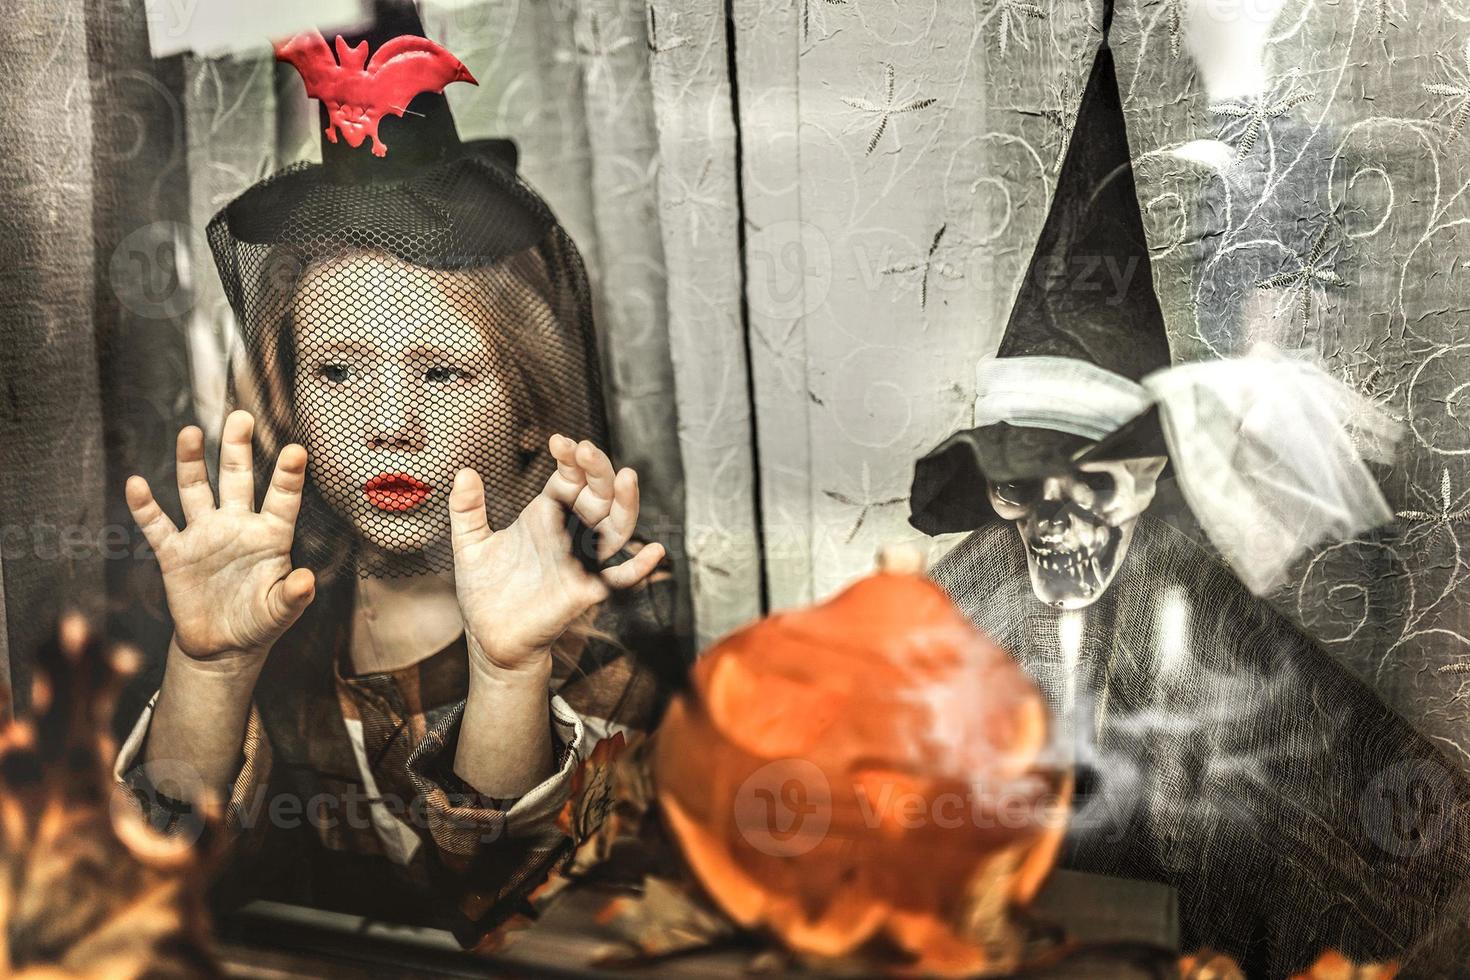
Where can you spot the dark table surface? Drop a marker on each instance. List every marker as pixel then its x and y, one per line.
pixel 270 940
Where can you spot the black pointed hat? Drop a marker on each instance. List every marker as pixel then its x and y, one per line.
pixel 393 165
pixel 1088 296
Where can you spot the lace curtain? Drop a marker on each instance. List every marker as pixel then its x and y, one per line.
pixel 900 161
pixel 885 167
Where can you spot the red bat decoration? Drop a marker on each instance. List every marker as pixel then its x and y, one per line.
pixel 357 95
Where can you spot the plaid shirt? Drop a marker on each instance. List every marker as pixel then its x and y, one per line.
pixel 346 797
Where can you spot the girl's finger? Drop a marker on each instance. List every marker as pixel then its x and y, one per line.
pixel 597 466
pixel 283 497
pixel 195 493
pixel 568 480
pixel 635 569
pixel 621 521
pixel 151 519
pixel 236 470
pixel 594 502
pixel 467 521
pixel 289 597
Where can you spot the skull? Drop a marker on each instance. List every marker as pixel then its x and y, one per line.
pixel 1077 526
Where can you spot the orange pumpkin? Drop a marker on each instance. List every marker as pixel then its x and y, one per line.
pixel 872 768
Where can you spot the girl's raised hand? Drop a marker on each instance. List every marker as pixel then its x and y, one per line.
pixel 227 574
pixel 521 588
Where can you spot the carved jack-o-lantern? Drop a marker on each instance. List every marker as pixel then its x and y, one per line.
pixel 871 772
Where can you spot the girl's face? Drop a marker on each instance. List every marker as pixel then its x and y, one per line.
pixel 397 388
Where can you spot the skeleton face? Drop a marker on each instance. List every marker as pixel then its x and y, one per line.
pixel 1077 526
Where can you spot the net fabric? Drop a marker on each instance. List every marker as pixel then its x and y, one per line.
pixel 1229 756
pixel 1268 448
pixel 401 331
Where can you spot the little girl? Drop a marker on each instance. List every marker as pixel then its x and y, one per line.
pixel 390 667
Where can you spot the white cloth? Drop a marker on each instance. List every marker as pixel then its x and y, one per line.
pixel 1268 449
pixel 1060 393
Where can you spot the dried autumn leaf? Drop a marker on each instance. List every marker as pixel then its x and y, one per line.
pixel 666 919
pixel 1210 965
pixel 1332 965
pixel 591 796
pixel 610 794
pixel 87 889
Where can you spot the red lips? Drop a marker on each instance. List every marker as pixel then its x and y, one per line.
pixel 396 491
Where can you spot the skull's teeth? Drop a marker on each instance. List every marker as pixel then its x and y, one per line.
pixel 1083 566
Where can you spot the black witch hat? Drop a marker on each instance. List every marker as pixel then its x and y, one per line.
pixel 394 170
pixel 1088 296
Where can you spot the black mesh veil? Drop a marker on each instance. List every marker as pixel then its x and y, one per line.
pixel 402 329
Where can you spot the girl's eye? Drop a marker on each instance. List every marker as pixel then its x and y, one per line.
pixel 335 373
pixel 439 374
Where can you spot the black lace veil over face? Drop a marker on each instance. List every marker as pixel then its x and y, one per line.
pixel 402 330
